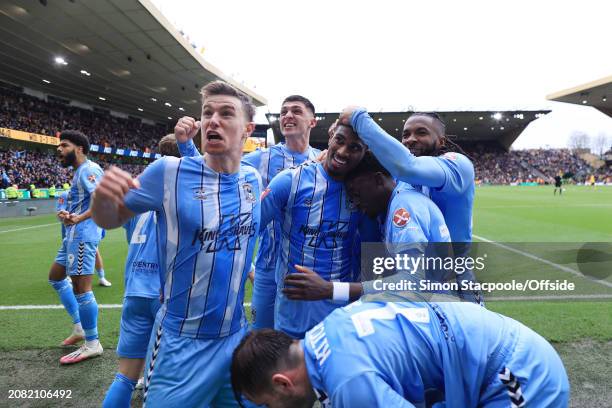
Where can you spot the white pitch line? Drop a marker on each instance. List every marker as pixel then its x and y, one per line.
pixel 38 307
pixel 545 261
pixel 27 228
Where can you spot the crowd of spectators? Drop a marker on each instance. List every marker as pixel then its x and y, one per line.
pixel 24 112
pixel 42 169
pixel 494 165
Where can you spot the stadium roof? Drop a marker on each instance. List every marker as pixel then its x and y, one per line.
pixel 502 127
pixel 124 51
pixel 595 93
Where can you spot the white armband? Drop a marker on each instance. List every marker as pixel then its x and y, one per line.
pixel 341 291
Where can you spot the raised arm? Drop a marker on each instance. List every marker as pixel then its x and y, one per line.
pixel 108 209
pixel 185 130
pixel 393 155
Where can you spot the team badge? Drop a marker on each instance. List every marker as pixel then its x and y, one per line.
pixel 92 178
pixel 308 202
pixel 451 156
pixel 248 192
pixel 401 217
pixel 199 194
pixel 70 259
pixel 265 193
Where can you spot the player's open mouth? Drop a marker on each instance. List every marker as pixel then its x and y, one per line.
pixel 289 126
pixel 339 162
pixel 213 136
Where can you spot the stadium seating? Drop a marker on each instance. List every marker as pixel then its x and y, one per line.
pixel 24 112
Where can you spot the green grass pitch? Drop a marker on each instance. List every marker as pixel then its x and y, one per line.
pixel 550 228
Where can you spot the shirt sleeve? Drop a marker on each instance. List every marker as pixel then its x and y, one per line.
pixel 188 149
pixel 90 178
pixel 368 390
pixel 395 157
pixel 252 159
pixel 149 197
pixel 458 171
pixel 274 198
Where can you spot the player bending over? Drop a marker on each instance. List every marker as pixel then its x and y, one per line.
pixel 376 354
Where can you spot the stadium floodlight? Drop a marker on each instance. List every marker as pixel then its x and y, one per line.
pixel 182 109
pixel 60 61
pixel 464 128
pixel 170 117
pixel 154 100
pixel 168 104
pixel 501 128
pixel 46 81
pixel 380 119
pixel 140 109
pixel 584 101
pixel 604 99
pixel 85 73
pixel 480 118
pixel 101 98
pixel 497 116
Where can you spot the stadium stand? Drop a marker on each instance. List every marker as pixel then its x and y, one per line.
pixel 27 113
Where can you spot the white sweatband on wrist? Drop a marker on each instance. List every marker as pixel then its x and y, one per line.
pixel 341 291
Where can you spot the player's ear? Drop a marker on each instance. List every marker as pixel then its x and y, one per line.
pixel 281 382
pixel 249 129
pixel 313 122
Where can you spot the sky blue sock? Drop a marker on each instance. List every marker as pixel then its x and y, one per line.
pixel 64 291
pixel 119 394
pixel 100 273
pixel 88 310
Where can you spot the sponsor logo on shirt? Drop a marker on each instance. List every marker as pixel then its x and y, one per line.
pixel 326 233
pixel 401 217
pixel 227 236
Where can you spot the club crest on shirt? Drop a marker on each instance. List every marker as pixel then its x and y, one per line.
pixel 308 202
pixel 92 178
pixel 248 192
pixel 401 217
pixel 199 194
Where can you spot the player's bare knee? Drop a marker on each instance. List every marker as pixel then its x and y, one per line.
pixel 132 368
pixel 57 272
pixel 81 284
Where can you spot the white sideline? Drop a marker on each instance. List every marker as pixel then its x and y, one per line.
pixel 545 261
pixel 35 307
pixel 26 228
